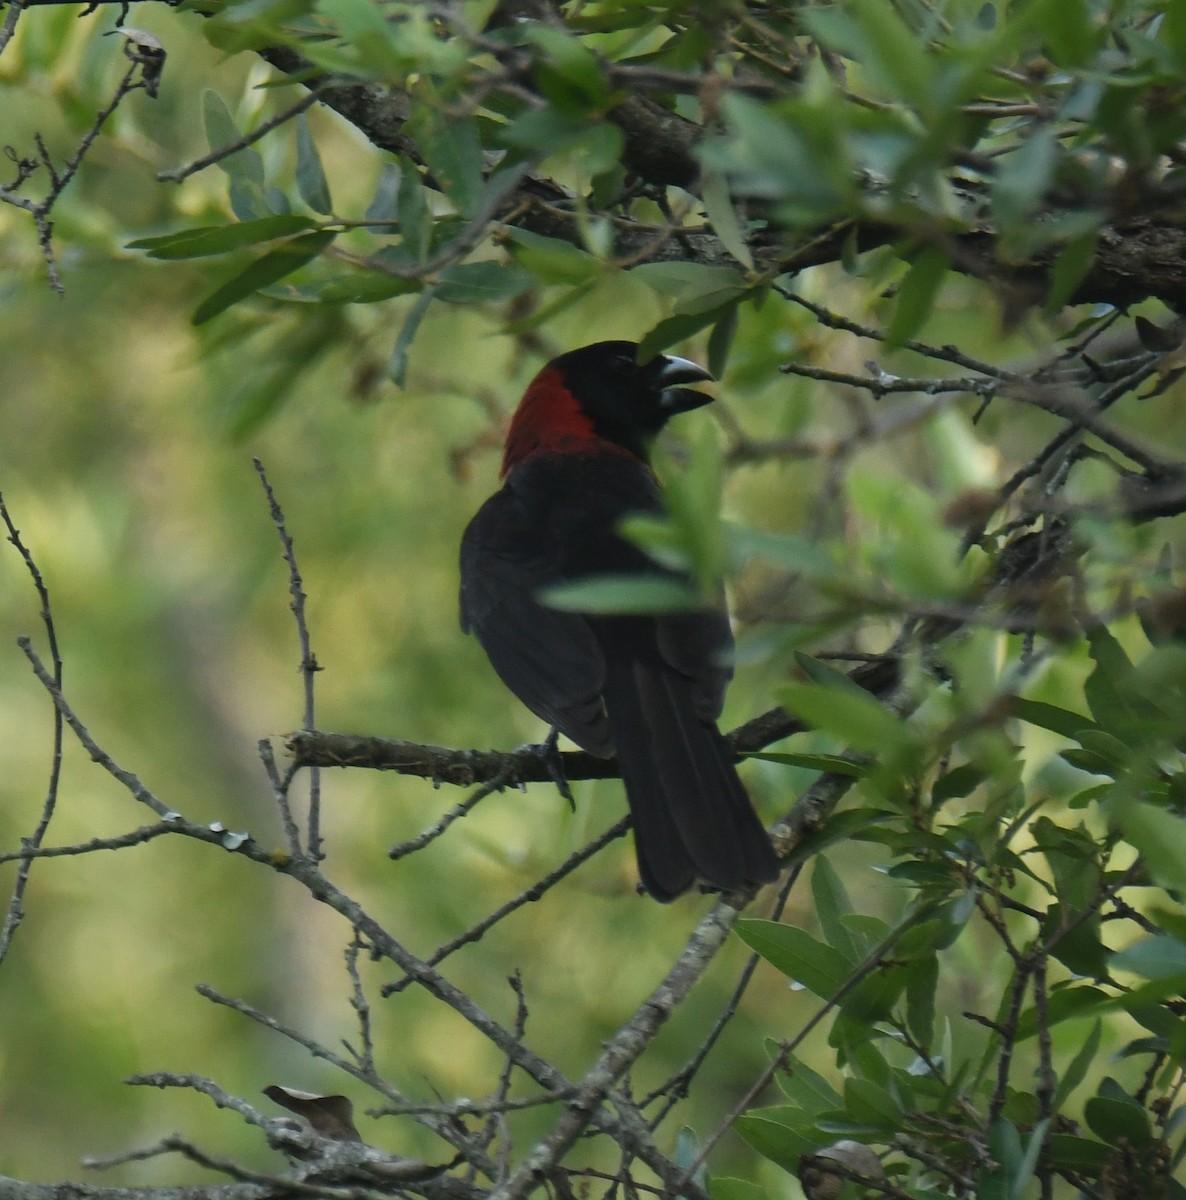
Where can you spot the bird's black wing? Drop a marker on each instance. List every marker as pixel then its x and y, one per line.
pixel 699 646
pixel 550 659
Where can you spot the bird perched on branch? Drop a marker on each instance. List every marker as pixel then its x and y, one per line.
pixel 648 687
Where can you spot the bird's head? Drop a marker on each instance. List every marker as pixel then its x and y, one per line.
pixel 601 393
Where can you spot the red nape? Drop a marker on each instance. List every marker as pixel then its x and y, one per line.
pixel 549 417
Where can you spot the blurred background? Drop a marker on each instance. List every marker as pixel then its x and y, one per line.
pixel 126 446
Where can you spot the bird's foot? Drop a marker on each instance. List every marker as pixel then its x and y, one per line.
pixel 548 753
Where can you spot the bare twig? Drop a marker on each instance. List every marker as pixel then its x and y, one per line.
pixel 365 1054
pixel 130 781
pixel 309 664
pixel 16 912
pixel 135 78
pixel 528 896
pixel 11 17
pixel 177 174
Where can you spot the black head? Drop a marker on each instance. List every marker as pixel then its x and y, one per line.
pixel 628 402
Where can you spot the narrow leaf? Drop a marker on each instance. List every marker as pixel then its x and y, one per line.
pixel 273 267
pixel 1078 1066
pixel 310 175
pixel 219 239
pixel 482 282
pixel 1050 716
pixel 916 295
pixel 221 131
pixel 832 905
pixel 623 594
pixel 397 366
pixel 383 205
pixel 820 968
pixel 722 216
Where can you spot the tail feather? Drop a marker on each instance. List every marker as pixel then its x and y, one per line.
pixel 692 816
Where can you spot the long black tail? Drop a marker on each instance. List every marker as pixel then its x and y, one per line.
pixel 692 817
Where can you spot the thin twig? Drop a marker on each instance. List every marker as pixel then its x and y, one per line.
pixel 177 174
pixel 365 1056
pixel 129 780
pixel 16 911
pixel 676 1087
pixel 309 664
pixel 528 896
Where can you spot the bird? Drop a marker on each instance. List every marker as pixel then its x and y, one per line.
pixel 648 687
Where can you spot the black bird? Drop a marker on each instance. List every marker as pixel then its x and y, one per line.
pixel 646 687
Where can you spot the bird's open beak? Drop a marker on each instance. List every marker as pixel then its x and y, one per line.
pixel 672 371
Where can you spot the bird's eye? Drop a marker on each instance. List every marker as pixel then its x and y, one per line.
pixel 625 365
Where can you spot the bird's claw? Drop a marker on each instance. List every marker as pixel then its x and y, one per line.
pixel 548 753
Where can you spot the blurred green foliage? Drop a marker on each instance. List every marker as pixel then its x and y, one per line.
pixel 269 306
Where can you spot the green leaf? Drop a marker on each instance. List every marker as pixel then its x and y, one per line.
pixel 365 287
pixel 775 1135
pixel 1064 1004
pixel 722 216
pixel 1107 692
pixel 922 986
pixel 1078 1067
pixel 872 999
pixel 892 55
pixel 1075 942
pixel 1069 268
pixel 1022 178
pixel 551 260
pixel 916 296
pixel 368 40
pixel 1110 1119
pixel 786 550
pixel 453 153
pixel 1070 1153
pixel 1071 34
pixel 687 1150
pixel 959 782
pixel 852 716
pixel 831 764
pixel 310 175
pixel 679 328
pixel 826 675
pixel 247 199
pixel 1158 835
pixel 820 968
pixel 1004 1145
pixel 623 594
pixel 721 340
pixel 383 205
pixel 777 153
pixel 1157 957
pixel 868 1104
pixel 221 131
pixel 831 905
pixel 415 221
pixel 569 74
pixel 265 271
pixel 397 365
pixel 726 1188
pixel 1029 1159
pixel 1050 716
pixel 206 240
pixel 692 496
pixel 683 279
pixel 482 282
pixel 811 1091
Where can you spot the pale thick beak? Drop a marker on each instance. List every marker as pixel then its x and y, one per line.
pixel 672 371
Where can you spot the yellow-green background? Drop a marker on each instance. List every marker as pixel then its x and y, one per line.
pixel 120 466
